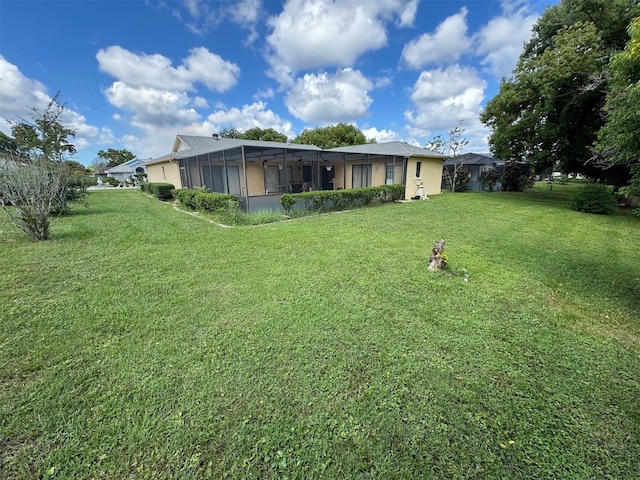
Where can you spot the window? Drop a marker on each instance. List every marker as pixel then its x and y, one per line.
pixel 360 176
pixel 213 176
pixel 418 168
pixel 275 179
pixel 390 174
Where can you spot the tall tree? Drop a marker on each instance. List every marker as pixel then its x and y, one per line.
pixel 549 111
pixel 339 135
pixel 43 181
pixel 619 139
pixel 452 145
pixel 8 145
pixel 112 157
pixel 230 133
pixel 46 135
pixel 265 135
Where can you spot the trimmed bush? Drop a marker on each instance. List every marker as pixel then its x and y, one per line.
pixel 334 200
pixel 287 201
pixel 207 201
pixel 161 191
pixel 595 198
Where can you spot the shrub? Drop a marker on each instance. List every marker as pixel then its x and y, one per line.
pixel 334 200
pixel 490 178
pixel 462 178
pixel 287 201
pixel 595 198
pixel 31 192
pixel 207 201
pixel 114 182
pixel 513 180
pixel 162 191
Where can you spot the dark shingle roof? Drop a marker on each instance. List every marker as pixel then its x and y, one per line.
pixel 204 145
pixel 399 149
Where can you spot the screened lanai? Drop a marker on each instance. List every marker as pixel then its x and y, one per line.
pixel 259 172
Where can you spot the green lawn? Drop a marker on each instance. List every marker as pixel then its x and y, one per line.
pixel 142 342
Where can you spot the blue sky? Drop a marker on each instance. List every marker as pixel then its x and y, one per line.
pixel 133 74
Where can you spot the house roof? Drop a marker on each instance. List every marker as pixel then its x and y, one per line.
pixel 399 149
pixel 189 146
pixel 476 159
pixel 126 167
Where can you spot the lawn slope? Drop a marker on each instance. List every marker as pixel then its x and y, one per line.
pixel 142 342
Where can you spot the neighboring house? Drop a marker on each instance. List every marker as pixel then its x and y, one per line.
pixel 126 170
pixel 259 172
pixel 476 164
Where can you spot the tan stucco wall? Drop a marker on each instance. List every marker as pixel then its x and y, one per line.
pixel 255 178
pixel 164 172
pixel 430 176
pixel 378 173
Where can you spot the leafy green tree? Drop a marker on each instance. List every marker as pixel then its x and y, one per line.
pixel 30 192
pixel 112 157
pixel 230 133
pixel 40 180
pixel 619 139
pixel 8 145
pixel 265 135
pixel 456 176
pixel 46 135
pixel 339 135
pixel 549 111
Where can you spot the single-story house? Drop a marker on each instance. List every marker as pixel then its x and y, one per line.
pixel 476 164
pixel 127 169
pixel 259 172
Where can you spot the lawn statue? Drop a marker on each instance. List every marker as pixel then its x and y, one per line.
pixel 437 259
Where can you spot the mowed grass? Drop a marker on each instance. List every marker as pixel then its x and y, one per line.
pixel 142 342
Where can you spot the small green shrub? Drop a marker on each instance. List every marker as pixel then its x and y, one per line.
pixel 335 200
pixel 162 191
pixel 287 201
pixel 490 178
pixel 513 180
pixel 114 182
pixel 595 198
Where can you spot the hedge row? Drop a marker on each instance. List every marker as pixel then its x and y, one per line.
pixel 161 191
pixel 333 200
pixel 201 200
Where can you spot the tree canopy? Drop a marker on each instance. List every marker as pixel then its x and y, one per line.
pixel 265 135
pixel 8 145
pixel 550 111
pixel 339 135
pixel 255 133
pixel 45 136
pixel 112 157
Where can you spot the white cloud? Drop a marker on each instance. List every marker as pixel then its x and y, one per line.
pixel 408 15
pixel 156 71
pixel 446 45
pixel 500 41
pixel 19 94
pixel 245 12
pixel 443 97
pixel 308 34
pixel 326 98
pixel 201 16
pixel 266 93
pixel 381 136
pixel 152 107
pixel 249 116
